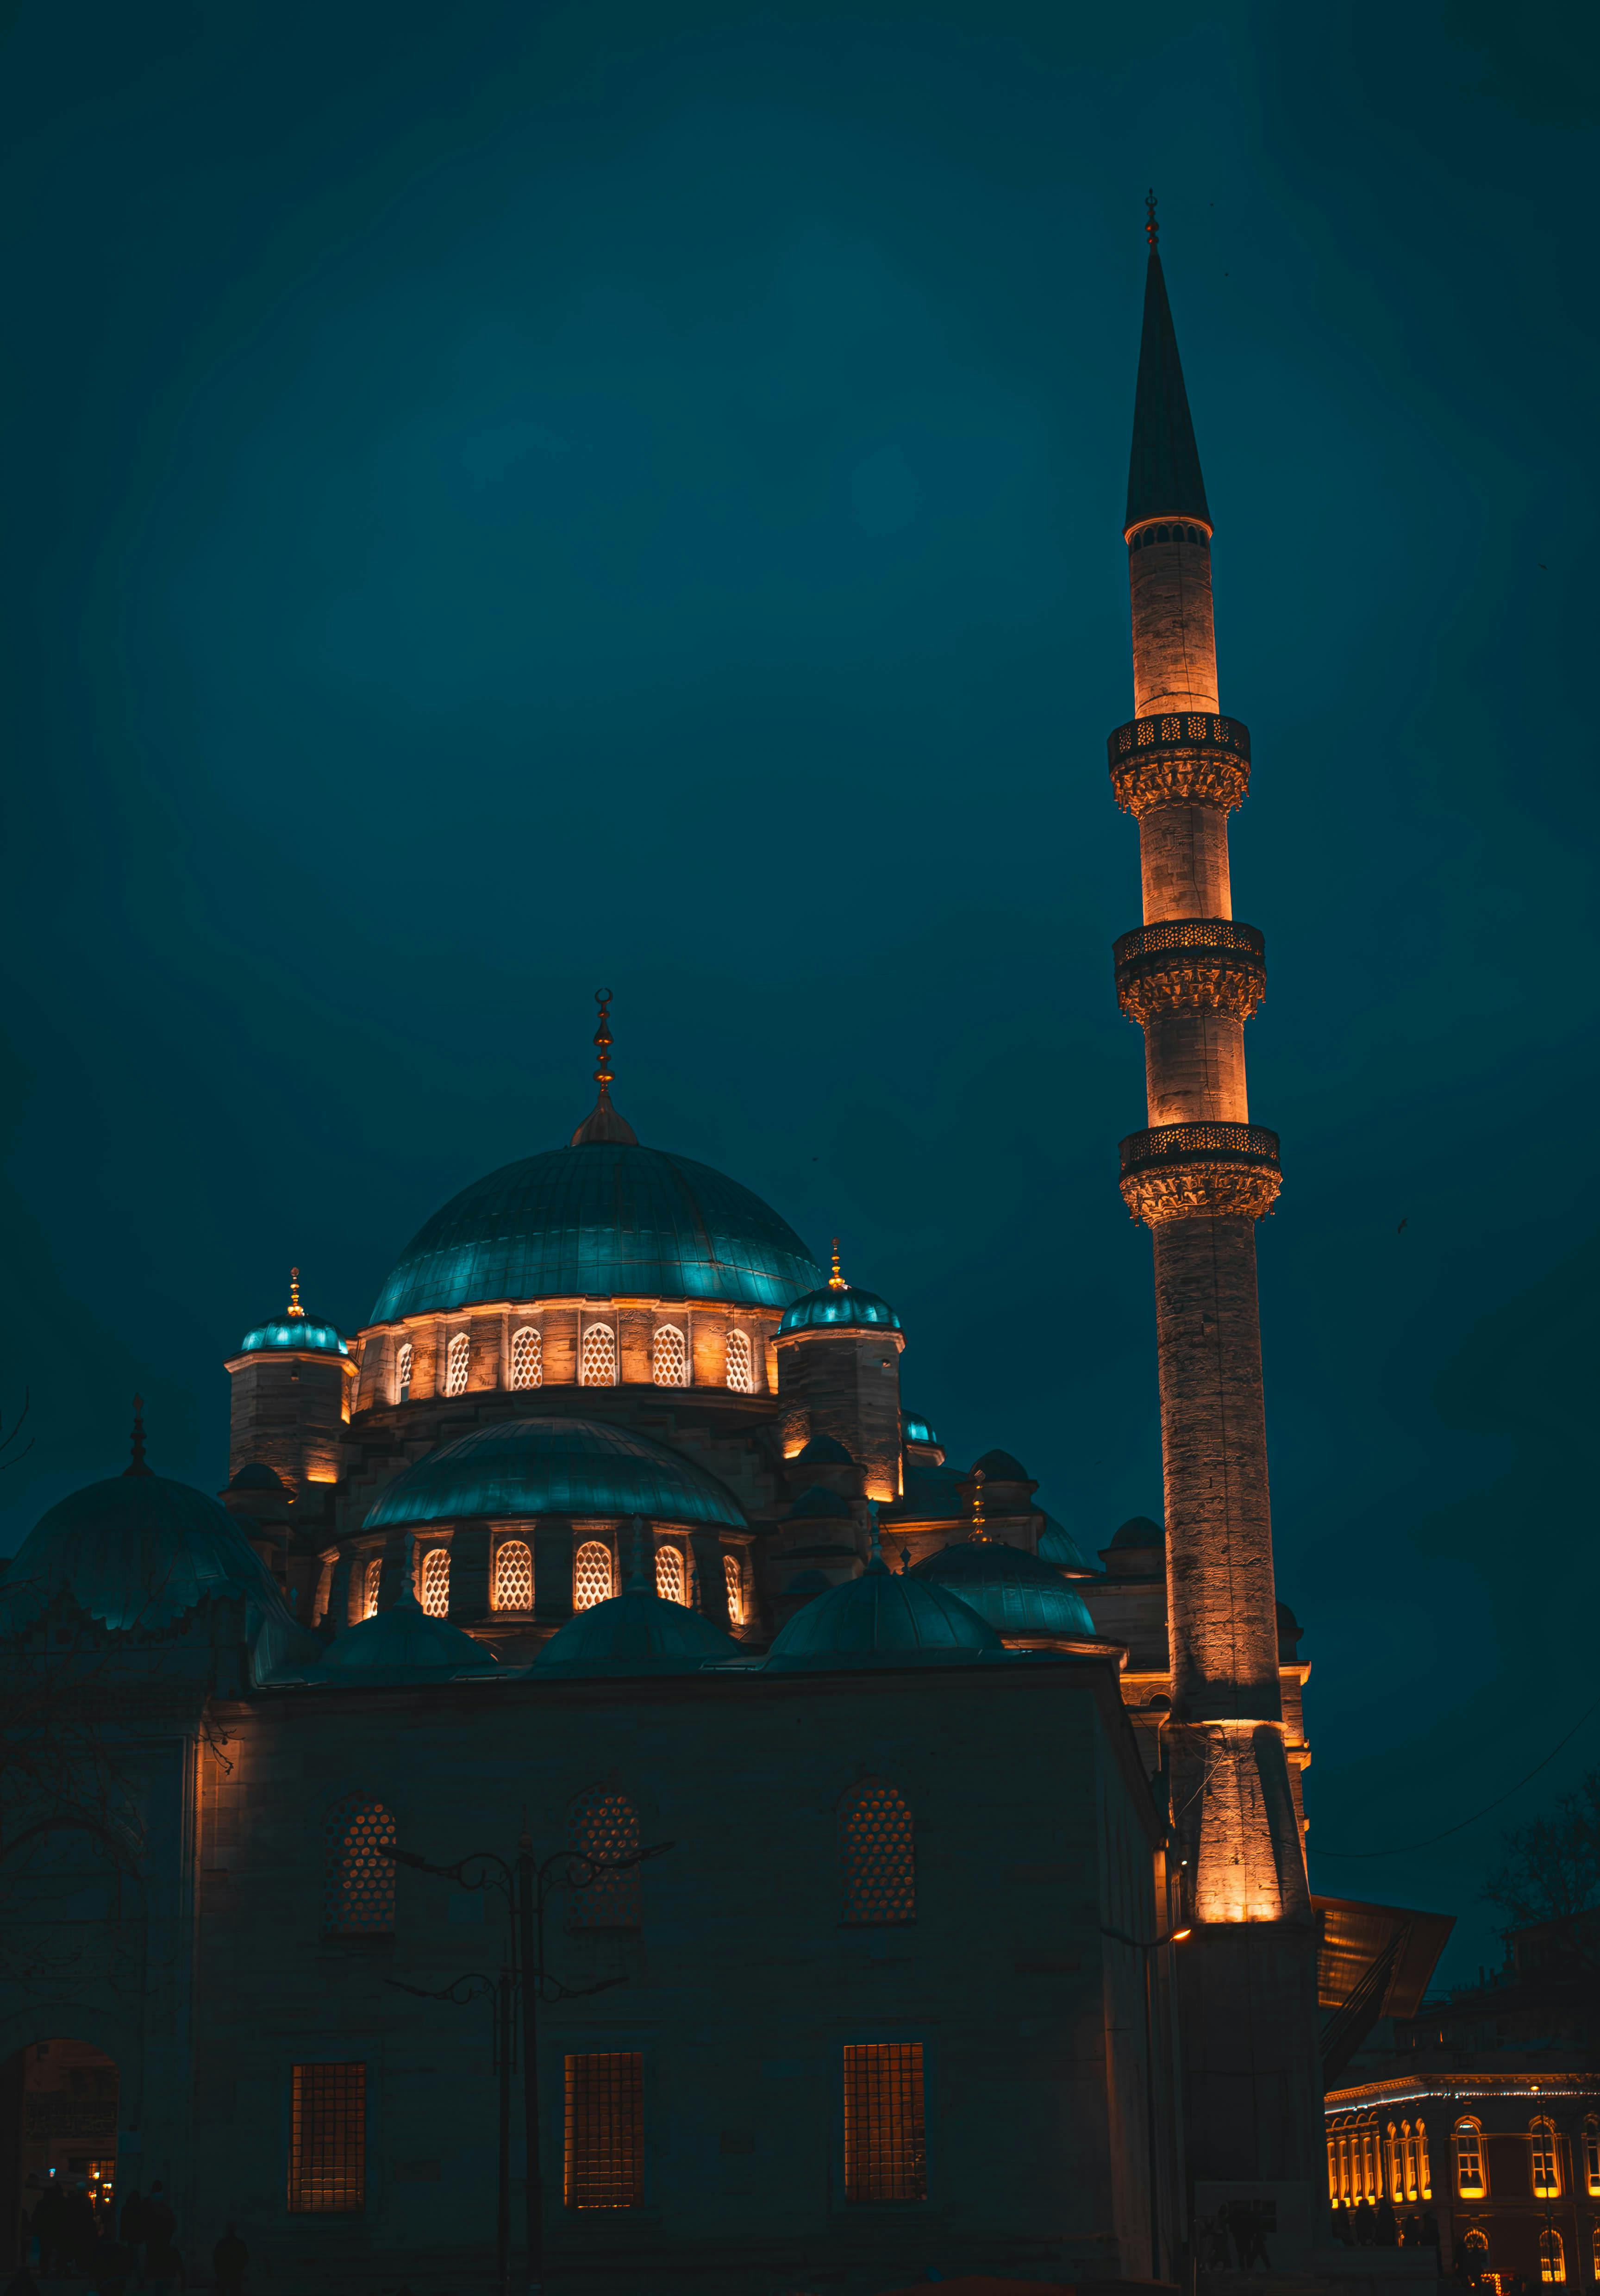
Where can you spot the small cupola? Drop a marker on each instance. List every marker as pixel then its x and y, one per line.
pixel 293 1389
pixel 839 1376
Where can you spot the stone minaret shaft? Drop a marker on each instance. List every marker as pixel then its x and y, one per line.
pixel 1199 1176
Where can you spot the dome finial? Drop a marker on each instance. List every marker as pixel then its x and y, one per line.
pixel 135 1465
pixel 980 1533
pixel 603 1122
pixel 295 1311
pixel 1152 228
pixel 836 1282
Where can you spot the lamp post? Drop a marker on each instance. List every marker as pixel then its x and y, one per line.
pixel 1146 1948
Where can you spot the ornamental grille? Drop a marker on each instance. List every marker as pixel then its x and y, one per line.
pixel 670 1356
pixel 741 1371
pixel 361 1880
pixel 327 2141
pixel 605 1826
pixel 1149 732
pixel 513 1576
pixel 1189 933
pixel 403 1363
pixel 736 1589
pixel 526 1358
pixel 597 1364
pixel 885 2153
pixel 878 1852
pixel 669 1574
pixel 372 1581
pixel 605 2130
pixel 457 1361
pixel 591 1575
pixel 436 1582
pixel 1252 1141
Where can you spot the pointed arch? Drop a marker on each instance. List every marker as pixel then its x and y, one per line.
pixel 433 1591
pixel 592 1577
pixel 670 1356
pixel 458 1363
pixel 404 1361
pixel 513 1575
pixel 669 1574
pixel 605 1826
pixel 877 1849
pixel 732 1580
pixel 597 1357
pixel 740 1365
pixel 360 1899
pixel 372 1585
pixel 528 1357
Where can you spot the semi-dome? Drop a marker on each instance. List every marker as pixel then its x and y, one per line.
pixel 596 1220
pixel 294 1329
pixel 554 1465
pixel 880 1617
pixel 635 1632
pixel 402 1645
pixel 1016 1591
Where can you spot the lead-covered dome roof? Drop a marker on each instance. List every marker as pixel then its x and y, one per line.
pixel 605 1218
pixel 554 1465
pixel 294 1329
pixel 882 1617
pixel 845 1305
pixel 637 1632
pixel 1016 1591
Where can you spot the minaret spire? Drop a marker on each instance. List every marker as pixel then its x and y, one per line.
pixel 135 1465
pixel 603 1122
pixel 1164 470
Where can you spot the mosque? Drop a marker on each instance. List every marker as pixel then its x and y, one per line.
pixel 602 1794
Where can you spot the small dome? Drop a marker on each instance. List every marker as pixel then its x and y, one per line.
pixel 1000 1467
pixel 915 1428
pixel 633 1633
pixel 403 1645
pixel 555 1466
pixel 824 1451
pixel 1058 1545
pixel 1139 1530
pixel 880 1617
pixel 1017 1593
pixel 839 1306
pixel 816 1500
pixel 294 1329
pixel 255 1477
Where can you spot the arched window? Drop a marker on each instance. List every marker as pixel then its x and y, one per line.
pixel 1424 2170
pixel 457 1358
pixel 361 1881
pixel 526 1358
pixel 670 1356
pixel 878 1855
pixel 404 1359
pixel 1475 2241
pixel 1411 2137
pixel 513 1575
pixel 1591 2159
pixel 590 1574
pixel 1469 2160
pixel 1552 2256
pixel 736 1589
pixel 1596 2248
pixel 597 1362
pixel 605 1826
pixel 371 1582
pixel 1546 2166
pixel 434 1592
pixel 1393 2165
pixel 741 1369
pixel 669 1574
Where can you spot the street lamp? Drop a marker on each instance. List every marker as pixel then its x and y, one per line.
pixel 1147 1948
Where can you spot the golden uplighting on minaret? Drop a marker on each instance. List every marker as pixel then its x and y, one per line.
pixel 295 1311
pixel 836 1282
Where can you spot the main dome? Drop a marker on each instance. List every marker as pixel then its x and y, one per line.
pixel 604 1219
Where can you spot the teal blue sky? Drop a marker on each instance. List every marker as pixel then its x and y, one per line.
pixel 502 500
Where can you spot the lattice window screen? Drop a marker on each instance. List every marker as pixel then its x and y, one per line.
pixel 670 1356
pixel 605 2130
pixel 885 2154
pixel 403 1363
pixel 597 1362
pixel 371 1583
pixel 669 1574
pixel 436 1582
pixel 591 1575
pixel 605 1824
pixel 457 1362
pixel 741 1369
pixel 327 2140
pixel 736 1589
pixel 879 1857
pixel 526 1358
pixel 513 1576
pixel 361 1881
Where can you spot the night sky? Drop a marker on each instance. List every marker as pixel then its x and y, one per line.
pixel 506 499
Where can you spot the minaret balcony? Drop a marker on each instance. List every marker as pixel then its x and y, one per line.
pixel 1180 758
pixel 1191 964
pixel 1199 1171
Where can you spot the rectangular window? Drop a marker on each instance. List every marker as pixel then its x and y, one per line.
pixel 327 2141
pixel 1547 2175
pixel 605 2130
pixel 885 2154
pixel 1591 2165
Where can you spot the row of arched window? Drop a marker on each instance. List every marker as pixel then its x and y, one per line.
pixel 669 1360
pixel 1472 2248
pixel 1369 2161
pixel 511 1580
pixel 877 1861
pixel 1148 534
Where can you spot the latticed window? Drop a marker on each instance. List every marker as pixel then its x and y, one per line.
pixel 1546 2172
pixel 736 1589
pixel 879 1856
pixel 740 1372
pixel 1552 2256
pixel 590 1574
pixel 372 1584
pixel 1469 2160
pixel 598 1359
pixel 605 2130
pixel 513 1576
pixel 404 1360
pixel 605 1826
pixel 327 2140
pixel 458 1358
pixel 526 1358
pixel 670 1356
pixel 361 1880
pixel 435 1592
pixel 669 1574
pixel 885 2153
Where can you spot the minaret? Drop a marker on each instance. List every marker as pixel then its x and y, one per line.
pixel 1200 1178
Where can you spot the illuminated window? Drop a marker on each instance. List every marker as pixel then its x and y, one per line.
pixel 878 1854
pixel 403 1363
pixel 736 1589
pixel 669 1574
pixel 885 2156
pixel 605 2131
pixel 526 1358
pixel 1393 2165
pixel 606 1827
pixel 513 1576
pixel 591 1575
pixel 741 1368
pixel 597 1363
pixel 1425 2171
pixel 327 2140
pixel 1476 2244
pixel 361 1880
pixel 1410 2141
pixel 1552 2256
pixel 1546 2171
pixel 435 1592
pixel 1369 2159
pixel 1597 2252
pixel 1469 2160
pixel 457 1358
pixel 1591 2159
pixel 670 1356
pixel 371 1583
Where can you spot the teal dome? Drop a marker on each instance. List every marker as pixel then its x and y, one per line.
pixel 918 1429
pixel 294 1329
pixel 1015 1591
pixel 633 1633
pixel 597 1220
pixel 555 1466
pixel 880 1617
pixel 403 1645
pixel 844 1305
pixel 1058 1545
